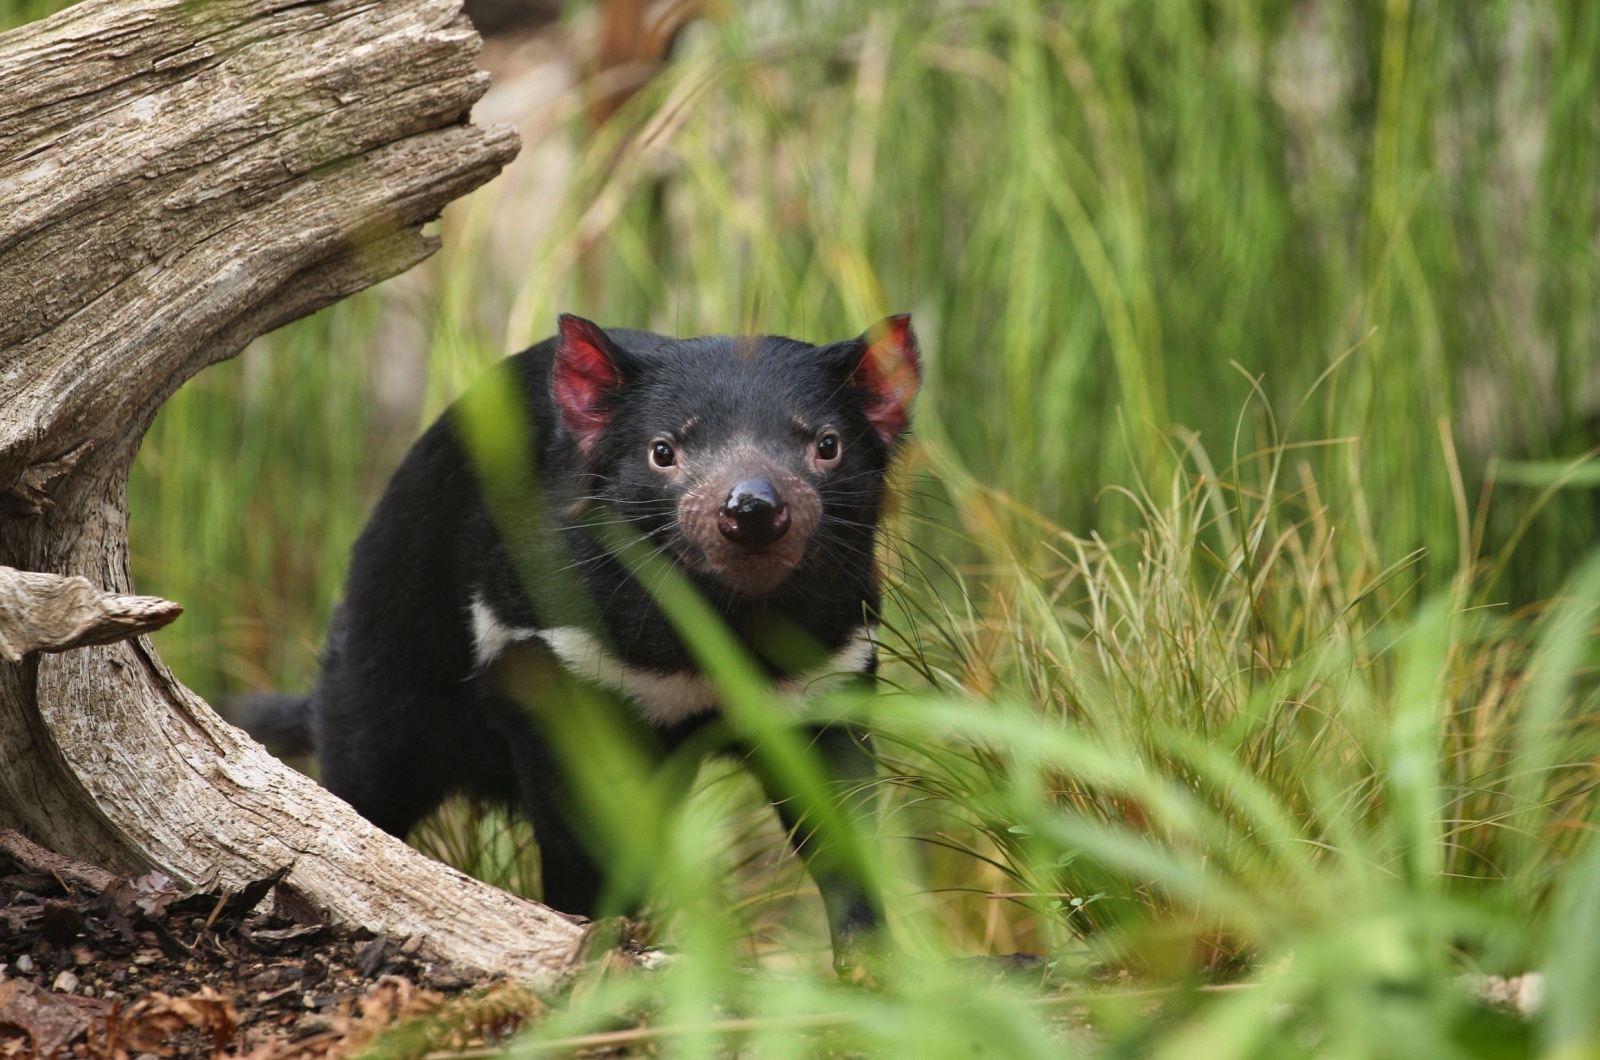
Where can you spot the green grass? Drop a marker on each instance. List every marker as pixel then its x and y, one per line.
pixel 1188 766
pixel 1240 619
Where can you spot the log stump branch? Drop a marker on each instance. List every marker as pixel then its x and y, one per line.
pixel 49 612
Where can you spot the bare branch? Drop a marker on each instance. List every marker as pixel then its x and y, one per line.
pixel 54 612
pixel 31 855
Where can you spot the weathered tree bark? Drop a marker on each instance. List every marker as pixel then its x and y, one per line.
pixel 177 178
pixel 50 612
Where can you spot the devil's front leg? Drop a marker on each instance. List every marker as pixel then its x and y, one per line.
pixel 835 856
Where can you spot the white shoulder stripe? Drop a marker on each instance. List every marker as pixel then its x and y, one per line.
pixel 490 636
pixel 663 698
pixel 670 698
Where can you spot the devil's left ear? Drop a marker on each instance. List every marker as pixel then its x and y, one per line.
pixel 886 367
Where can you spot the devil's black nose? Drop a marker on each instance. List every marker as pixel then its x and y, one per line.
pixel 753 515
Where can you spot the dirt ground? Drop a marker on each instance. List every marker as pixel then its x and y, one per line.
pixel 93 964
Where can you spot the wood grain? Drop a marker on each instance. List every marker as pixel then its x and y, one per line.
pixel 50 612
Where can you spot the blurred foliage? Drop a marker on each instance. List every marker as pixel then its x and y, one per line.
pixel 1239 634
pixel 18 12
pixel 1112 218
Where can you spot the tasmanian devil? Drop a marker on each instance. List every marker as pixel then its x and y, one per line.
pixel 755 466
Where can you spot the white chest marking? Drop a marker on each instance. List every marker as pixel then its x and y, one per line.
pixel 663 698
pixel 490 636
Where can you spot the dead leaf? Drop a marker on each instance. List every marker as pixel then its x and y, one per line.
pixel 49 1019
pixel 153 892
pixel 148 1024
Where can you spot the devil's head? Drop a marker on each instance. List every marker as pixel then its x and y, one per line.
pixel 744 457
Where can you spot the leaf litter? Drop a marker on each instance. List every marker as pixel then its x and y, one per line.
pixel 99 966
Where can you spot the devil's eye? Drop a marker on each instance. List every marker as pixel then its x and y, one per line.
pixel 828 447
pixel 662 454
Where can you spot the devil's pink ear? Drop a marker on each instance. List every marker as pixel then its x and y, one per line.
pixel 889 371
pixel 585 376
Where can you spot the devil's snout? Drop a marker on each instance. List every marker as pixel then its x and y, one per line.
pixel 763 517
pixel 754 514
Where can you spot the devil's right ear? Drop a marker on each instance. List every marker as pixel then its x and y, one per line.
pixel 588 371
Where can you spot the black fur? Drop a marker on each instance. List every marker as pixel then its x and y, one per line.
pixel 279 720
pixel 405 712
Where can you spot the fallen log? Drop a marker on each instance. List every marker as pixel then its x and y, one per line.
pixel 175 180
